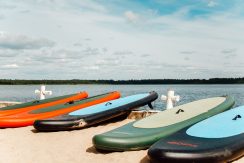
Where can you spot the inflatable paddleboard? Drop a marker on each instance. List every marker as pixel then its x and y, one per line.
pixel 28 118
pixel 28 106
pixel 143 133
pixel 216 139
pixel 95 114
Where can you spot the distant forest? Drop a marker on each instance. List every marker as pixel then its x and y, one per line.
pixel 143 81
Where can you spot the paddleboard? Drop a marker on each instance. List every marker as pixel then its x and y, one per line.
pixel 95 114
pixel 27 118
pixel 37 104
pixel 143 133
pixel 216 139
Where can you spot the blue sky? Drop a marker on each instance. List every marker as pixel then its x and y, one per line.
pixel 129 39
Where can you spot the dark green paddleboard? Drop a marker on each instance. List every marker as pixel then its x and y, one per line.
pixel 143 133
pixel 217 139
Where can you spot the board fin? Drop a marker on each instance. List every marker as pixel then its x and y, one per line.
pixel 150 105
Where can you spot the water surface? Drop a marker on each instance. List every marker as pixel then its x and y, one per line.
pixel 24 93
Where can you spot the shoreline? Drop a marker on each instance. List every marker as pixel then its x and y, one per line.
pixel 124 82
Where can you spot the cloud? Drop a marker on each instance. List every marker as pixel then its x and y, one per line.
pixel 228 51
pixel 105 49
pixel 123 53
pixel 145 55
pixel 1 16
pixel 8 53
pixel 24 11
pixel 10 66
pixel 90 51
pixel 186 58
pixel 107 62
pixel 5 6
pixel 229 56
pixel 212 3
pixel 189 37
pixel 53 56
pixel 187 52
pixel 89 5
pixel 77 44
pixel 91 67
pixel 17 42
pixel 87 39
pixel 131 16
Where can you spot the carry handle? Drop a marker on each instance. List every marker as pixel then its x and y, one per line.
pixel 108 103
pixel 236 117
pixel 179 111
pixel 70 102
pixel 35 102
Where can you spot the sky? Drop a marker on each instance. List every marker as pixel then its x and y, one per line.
pixel 121 39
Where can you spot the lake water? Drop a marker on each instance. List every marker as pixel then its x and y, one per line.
pixel 24 93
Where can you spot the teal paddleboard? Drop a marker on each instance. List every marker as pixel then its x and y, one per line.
pixel 143 133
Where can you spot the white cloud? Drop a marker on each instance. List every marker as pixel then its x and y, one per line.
pixel 91 67
pixel 212 3
pixel 131 16
pixel 10 66
pixel 175 46
pixel 10 41
pixel 91 5
pixel 1 16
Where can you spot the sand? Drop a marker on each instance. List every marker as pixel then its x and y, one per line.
pixel 26 145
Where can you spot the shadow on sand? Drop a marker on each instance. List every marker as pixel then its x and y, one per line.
pixel 92 149
pixel 145 160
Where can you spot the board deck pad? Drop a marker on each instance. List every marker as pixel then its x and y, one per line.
pixel 143 133
pixel 28 117
pixel 95 114
pixel 217 139
pixel 179 113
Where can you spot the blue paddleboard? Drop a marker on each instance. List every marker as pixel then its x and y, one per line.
pixel 95 114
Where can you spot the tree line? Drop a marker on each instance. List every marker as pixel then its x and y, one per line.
pixel 142 81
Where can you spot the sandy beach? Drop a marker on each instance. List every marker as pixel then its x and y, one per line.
pixel 26 145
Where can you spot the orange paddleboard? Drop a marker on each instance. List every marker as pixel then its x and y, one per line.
pixel 33 105
pixel 27 118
